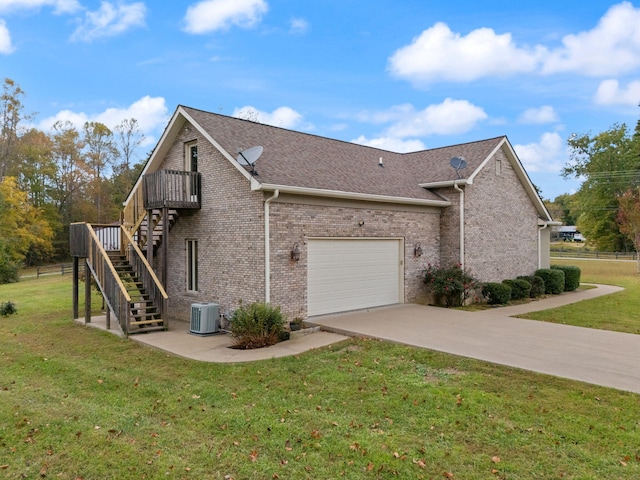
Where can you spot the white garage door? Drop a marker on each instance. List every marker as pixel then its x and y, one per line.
pixel 346 274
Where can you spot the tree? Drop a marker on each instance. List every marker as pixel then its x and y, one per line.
pixel 609 164
pixel 629 217
pixel 23 228
pixel 100 154
pixel 562 209
pixel 11 114
pixel 129 137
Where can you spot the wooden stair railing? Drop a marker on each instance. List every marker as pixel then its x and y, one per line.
pixel 106 277
pixel 143 271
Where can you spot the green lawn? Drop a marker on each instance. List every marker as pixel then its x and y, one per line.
pixel 618 312
pixel 77 403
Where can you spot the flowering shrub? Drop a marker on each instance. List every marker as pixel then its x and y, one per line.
pixel 451 284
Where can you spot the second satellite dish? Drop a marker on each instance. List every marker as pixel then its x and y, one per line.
pixel 458 163
pixel 249 157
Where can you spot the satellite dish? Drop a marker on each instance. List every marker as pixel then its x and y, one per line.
pixel 458 163
pixel 249 157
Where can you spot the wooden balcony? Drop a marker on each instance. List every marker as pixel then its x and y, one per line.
pixel 173 189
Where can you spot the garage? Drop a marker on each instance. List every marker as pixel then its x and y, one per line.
pixel 349 274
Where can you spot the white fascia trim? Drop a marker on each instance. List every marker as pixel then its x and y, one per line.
pixel 446 183
pixel 366 197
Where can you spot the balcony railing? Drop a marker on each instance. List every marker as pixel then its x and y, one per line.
pixel 171 189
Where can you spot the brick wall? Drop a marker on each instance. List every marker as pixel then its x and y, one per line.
pixel 291 223
pixel 500 225
pixel 229 230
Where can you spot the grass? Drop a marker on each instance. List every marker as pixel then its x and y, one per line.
pixel 77 403
pixel 616 312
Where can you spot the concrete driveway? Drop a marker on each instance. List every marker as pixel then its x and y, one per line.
pixel 600 357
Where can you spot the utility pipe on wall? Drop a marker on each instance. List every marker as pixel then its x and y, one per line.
pixel 267 248
pixel 546 224
pixel 455 185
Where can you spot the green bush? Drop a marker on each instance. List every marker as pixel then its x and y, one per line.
pixel 496 293
pixel 519 288
pixel 256 325
pixel 8 268
pixel 452 284
pixel 7 308
pixel 571 276
pixel 553 280
pixel 537 285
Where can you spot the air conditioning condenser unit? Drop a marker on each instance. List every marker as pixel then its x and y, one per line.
pixel 205 318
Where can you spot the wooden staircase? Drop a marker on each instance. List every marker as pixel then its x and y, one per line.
pixel 154 224
pixel 120 257
pixel 144 312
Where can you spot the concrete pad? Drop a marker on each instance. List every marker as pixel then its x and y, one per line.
pixel 600 357
pixel 216 348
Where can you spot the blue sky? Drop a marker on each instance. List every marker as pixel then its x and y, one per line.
pixel 402 75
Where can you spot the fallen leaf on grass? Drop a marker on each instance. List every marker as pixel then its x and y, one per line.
pixel 447 475
pixel 420 463
pixel 253 456
pixel 495 459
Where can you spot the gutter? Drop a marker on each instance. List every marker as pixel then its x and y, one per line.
pixel 267 248
pixel 367 197
pixel 455 185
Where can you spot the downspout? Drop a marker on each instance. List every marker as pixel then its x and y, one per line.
pixel 267 248
pixel 546 224
pixel 455 185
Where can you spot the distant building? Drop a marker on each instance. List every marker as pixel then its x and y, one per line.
pixel 566 233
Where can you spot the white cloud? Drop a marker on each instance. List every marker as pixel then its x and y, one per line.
pixel 610 93
pixel 299 25
pixel 438 54
pixel 446 118
pixel 211 15
pixel 59 6
pixel 150 112
pixel 284 117
pixel 110 20
pixel 548 155
pixel 612 47
pixel 5 39
pixel 538 116
pixel 391 144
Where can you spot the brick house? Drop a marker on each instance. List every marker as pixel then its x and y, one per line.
pixel 317 225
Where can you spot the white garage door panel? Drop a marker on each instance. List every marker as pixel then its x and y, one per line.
pixel 351 274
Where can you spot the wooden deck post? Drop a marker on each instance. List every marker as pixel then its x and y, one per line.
pixel 87 292
pixel 76 281
pixel 165 244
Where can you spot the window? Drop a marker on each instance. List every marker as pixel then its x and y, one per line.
pixel 192 158
pixel 192 265
pixel 498 166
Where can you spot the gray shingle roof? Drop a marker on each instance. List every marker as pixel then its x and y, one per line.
pixel 303 160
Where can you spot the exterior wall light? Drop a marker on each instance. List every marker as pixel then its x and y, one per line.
pixel 417 250
pixel 295 252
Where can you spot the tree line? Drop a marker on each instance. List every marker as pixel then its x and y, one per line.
pixel 606 208
pixel 51 179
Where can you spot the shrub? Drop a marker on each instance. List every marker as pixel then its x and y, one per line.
pixel 553 280
pixel 519 288
pixel 8 268
pixel 537 285
pixel 571 276
pixel 7 308
pixel 452 284
pixel 256 325
pixel 496 293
